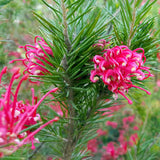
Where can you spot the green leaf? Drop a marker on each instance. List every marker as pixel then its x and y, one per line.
pixel 129 8
pixel 57 12
pixel 52 27
pixel 75 9
pixel 78 17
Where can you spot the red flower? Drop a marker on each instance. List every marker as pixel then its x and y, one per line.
pixel 112 124
pixel 92 145
pixel 37 57
pixel 116 68
pixel 158 83
pixel 101 132
pixel 16 116
pixel 158 56
pixel 133 139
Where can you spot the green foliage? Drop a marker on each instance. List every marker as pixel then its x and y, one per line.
pixel 134 29
pixel 4 2
pixel 143 150
pixel 73 33
pixel 91 25
pixel 70 28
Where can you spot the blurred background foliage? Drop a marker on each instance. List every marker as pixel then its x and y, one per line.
pixel 18 26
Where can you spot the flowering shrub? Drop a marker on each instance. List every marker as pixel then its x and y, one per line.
pixel 118 66
pixel 72 29
pixel 15 116
pixel 115 139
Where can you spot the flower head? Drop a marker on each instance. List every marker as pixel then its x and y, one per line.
pixel 92 145
pixel 15 116
pixel 36 57
pixel 118 66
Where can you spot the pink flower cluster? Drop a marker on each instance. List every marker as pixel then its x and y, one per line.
pixel 119 145
pixel 109 112
pixel 117 66
pixel 36 57
pixel 15 116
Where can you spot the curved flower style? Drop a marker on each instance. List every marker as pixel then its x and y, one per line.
pixel 116 68
pixel 15 116
pixel 36 57
pixel 101 44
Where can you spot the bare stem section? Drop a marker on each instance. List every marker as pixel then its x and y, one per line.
pixel 132 24
pixel 66 36
pixel 70 144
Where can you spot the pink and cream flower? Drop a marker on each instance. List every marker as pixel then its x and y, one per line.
pixel 16 116
pixel 118 66
pixel 36 57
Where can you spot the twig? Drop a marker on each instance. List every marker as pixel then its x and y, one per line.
pixel 70 144
pixel 66 36
pixel 132 24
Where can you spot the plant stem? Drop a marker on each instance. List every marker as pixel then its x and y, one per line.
pixel 132 25
pixel 66 36
pixel 70 144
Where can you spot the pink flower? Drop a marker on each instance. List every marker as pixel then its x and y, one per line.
pixel 110 110
pixel 158 56
pixel 101 44
pixel 37 57
pixel 15 116
pixel 61 111
pixel 116 68
pixel 100 132
pixel 110 151
pixel 92 145
pixel 143 2
pixel 158 83
pixel 127 121
pixel 15 54
pixel 122 149
pixel 121 137
pixel 133 139
pixel 135 128
pixel 112 124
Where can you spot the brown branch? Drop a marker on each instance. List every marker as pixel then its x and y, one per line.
pixel 70 143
